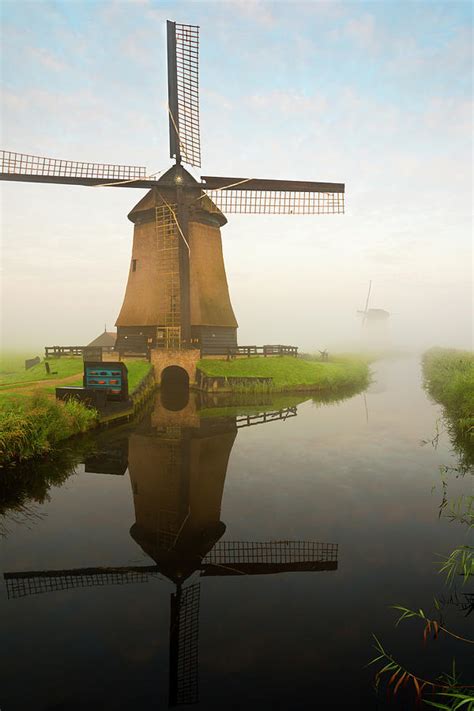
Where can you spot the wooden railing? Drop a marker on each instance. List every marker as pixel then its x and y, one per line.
pixel 92 351
pixel 58 351
pixel 262 350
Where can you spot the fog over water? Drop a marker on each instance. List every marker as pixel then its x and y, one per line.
pixel 378 96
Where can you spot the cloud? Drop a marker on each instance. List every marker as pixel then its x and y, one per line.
pixel 288 102
pixel 362 31
pixel 48 59
pixel 449 63
pixel 138 46
pixel 256 10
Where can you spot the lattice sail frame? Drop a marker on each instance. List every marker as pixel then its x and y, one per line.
pixel 183 92
pixel 24 164
pixel 224 553
pixel 22 585
pixel 272 552
pixel 276 202
pixel 167 242
pixel 187 640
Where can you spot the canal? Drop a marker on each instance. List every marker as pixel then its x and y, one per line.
pixel 219 556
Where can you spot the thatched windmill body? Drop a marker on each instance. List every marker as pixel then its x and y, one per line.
pixel 177 293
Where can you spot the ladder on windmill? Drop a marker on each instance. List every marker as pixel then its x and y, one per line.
pixel 167 237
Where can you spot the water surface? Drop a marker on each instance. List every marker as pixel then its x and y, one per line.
pixel 248 559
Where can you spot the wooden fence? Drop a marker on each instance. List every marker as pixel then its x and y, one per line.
pixel 58 351
pixel 262 350
pixel 93 352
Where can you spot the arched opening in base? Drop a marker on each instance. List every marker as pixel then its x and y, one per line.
pixel 174 388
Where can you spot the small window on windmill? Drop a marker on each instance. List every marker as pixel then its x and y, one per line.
pixel 134 265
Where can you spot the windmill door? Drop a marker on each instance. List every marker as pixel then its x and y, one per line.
pixel 169 337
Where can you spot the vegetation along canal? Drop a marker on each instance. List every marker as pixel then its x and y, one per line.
pixel 240 557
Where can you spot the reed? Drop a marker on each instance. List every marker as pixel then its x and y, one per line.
pixel 449 379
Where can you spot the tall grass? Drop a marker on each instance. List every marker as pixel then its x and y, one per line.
pixel 32 428
pixel 449 379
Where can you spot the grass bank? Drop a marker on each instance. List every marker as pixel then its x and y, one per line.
pixel 290 374
pixel 20 384
pixel 32 422
pixel 35 426
pixel 449 380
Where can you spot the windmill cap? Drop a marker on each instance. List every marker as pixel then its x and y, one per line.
pixel 165 192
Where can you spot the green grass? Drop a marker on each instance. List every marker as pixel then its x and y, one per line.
pixel 62 367
pixel 32 427
pixel 449 379
pixel 31 424
pixel 65 367
pixel 294 373
pixel 14 361
pixel 137 370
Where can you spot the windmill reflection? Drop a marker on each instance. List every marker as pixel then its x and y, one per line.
pixel 177 462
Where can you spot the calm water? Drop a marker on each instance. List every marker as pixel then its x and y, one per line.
pixel 202 603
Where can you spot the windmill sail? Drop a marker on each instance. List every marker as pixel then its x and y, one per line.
pixel 42 581
pixel 39 169
pixel 266 557
pixel 183 92
pixel 225 558
pixel 184 638
pixel 277 197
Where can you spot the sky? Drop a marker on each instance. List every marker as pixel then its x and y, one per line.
pixel 377 95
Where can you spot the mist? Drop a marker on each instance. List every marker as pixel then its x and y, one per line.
pixel 349 97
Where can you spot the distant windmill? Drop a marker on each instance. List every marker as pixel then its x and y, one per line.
pixel 177 294
pixel 374 323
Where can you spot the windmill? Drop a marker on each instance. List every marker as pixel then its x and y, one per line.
pixel 177 479
pixel 177 293
pixel 375 323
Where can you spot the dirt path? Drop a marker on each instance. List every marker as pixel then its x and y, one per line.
pixel 31 385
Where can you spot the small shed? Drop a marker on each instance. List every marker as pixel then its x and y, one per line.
pixel 106 341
